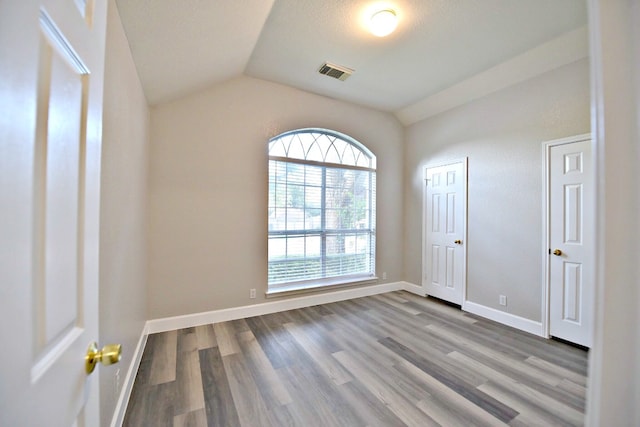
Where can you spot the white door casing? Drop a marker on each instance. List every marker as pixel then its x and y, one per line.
pixel 444 231
pixel 51 65
pixel 570 239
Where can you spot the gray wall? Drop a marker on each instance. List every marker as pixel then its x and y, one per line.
pixel 208 189
pixel 123 296
pixel 501 134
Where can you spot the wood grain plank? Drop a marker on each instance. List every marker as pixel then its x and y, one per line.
pixel 520 366
pixel 317 325
pixel 239 325
pixel 271 388
pixel 369 352
pixel 154 407
pixel 187 340
pixel 310 386
pixel 558 370
pixel 507 375
pixel 188 384
pixel 206 337
pixel 397 297
pixel 367 406
pixel 530 413
pixel 366 345
pixel 220 407
pixel 552 351
pixel 149 348
pixel 468 391
pixel 226 338
pixel 191 419
pixel 319 355
pixel 163 366
pixel 355 318
pixel 396 402
pixel 436 307
pixel 316 402
pixel 143 376
pixel 270 342
pixel 384 298
pixel 420 342
pixel 251 408
pixel 568 387
pixel 504 375
pixel 445 405
pixel 545 402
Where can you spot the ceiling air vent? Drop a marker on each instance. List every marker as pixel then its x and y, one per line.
pixel 335 71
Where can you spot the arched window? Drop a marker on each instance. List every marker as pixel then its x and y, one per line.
pixel 322 210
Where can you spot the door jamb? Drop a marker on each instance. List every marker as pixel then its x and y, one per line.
pixel 546 194
pixel 465 165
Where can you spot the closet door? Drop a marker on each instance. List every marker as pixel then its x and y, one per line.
pixel 444 220
pixel 571 232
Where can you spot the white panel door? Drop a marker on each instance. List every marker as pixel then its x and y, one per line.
pixel 571 225
pixel 51 65
pixel 444 219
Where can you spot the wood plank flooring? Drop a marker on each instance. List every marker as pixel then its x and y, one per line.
pixel 387 360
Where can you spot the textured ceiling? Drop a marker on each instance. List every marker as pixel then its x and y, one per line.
pixel 180 46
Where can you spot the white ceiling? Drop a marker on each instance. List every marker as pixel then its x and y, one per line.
pixel 181 46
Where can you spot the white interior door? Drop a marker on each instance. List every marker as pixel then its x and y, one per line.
pixel 51 65
pixel 571 232
pixel 444 222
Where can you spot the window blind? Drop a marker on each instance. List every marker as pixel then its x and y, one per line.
pixel 321 220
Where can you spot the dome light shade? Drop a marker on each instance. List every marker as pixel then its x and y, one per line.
pixel 383 22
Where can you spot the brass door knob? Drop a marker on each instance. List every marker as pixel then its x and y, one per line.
pixel 109 355
pixel 557 252
pixel 457 242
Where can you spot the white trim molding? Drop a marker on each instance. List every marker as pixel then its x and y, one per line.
pixel 215 316
pixel 613 388
pixel 413 288
pixel 127 385
pixel 505 318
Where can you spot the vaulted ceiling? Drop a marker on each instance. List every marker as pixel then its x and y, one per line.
pixel 181 46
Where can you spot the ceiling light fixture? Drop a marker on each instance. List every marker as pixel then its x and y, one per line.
pixel 383 22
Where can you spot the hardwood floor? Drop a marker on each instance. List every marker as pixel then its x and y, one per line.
pixel 386 360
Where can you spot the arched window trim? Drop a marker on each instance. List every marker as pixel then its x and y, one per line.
pixel 300 163
pixel 359 147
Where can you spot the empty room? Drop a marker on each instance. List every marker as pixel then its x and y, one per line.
pixel 320 212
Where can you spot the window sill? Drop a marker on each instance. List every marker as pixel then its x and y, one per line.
pixel 303 288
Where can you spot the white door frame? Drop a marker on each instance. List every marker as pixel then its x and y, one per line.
pixel 546 206
pixel 614 366
pixel 465 164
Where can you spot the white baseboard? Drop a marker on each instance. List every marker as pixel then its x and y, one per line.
pixel 127 385
pixel 414 289
pixel 508 319
pixel 204 318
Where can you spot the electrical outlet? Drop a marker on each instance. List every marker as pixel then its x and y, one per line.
pixel 384 275
pixel 503 300
pixel 252 293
